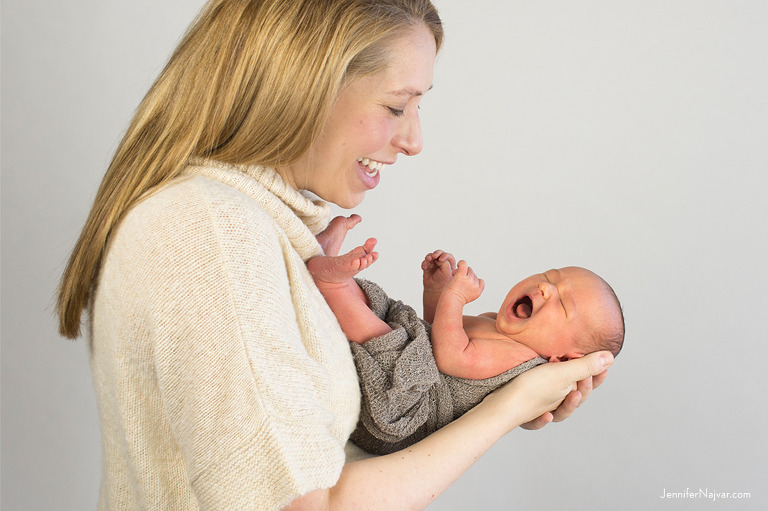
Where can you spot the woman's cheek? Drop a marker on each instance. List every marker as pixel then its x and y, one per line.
pixel 378 134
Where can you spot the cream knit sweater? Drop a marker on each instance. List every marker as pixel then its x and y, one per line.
pixel 222 377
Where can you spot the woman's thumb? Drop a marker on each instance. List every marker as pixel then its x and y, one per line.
pixel 590 365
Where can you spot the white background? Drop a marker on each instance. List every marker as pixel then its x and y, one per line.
pixel 629 137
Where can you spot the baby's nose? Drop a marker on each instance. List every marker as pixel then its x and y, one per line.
pixel 547 290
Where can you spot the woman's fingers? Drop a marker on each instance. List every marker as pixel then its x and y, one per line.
pixel 568 406
pixel 589 366
pixel 577 378
pixel 539 422
pixel 599 379
pixel 597 362
pixel 585 387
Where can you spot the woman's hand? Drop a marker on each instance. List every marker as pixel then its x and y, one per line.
pixel 572 401
pixel 552 392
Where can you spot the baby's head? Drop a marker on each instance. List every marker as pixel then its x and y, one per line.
pixel 563 314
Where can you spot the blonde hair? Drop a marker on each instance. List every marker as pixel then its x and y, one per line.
pixel 251 82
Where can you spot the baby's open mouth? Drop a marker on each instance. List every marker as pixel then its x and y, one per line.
pixel 523 307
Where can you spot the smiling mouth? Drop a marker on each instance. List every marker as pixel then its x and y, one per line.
pixel 373 166
pixel 523 307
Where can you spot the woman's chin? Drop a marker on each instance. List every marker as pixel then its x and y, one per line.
pixel 349 201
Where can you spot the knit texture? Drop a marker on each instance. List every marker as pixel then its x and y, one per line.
pixel 223 379
pixel 405 396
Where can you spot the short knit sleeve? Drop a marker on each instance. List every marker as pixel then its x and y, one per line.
pixel 229 305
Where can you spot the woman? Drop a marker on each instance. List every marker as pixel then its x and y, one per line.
pixel 223 379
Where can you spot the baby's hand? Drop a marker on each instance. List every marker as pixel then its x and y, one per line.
pixel 465 283
pixel 438 268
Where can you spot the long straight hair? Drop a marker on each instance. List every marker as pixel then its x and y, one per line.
pixel 251 83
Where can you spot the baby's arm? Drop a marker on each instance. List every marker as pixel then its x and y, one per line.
pixel 333 276
pixel 455 353
pixel 438 268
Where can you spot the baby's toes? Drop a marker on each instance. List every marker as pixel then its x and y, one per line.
pixel 353 220
pixel 366 261
pixel 337 224
pixel 369 245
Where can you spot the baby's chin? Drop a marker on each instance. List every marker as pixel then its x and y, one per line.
pixel 512 327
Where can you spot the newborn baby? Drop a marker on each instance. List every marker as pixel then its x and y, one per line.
pixel 558 315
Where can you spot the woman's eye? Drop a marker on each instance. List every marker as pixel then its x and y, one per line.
pixel 395 111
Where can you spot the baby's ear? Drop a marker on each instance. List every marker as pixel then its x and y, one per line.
pixel 565 358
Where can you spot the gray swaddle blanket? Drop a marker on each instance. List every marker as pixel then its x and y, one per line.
pixel 405 396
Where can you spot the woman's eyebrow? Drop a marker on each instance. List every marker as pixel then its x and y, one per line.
pixel 408 91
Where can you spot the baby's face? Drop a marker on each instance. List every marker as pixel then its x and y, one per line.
pixel 549 312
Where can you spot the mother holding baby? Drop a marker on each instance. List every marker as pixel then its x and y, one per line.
pixel 223 378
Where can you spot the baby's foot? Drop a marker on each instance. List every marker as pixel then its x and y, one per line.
pixel 333 235
pixel 339 269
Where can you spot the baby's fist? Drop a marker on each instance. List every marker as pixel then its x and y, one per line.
pixel 465 283
pixel 438 267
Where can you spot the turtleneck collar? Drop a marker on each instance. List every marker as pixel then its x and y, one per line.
pixel 297 212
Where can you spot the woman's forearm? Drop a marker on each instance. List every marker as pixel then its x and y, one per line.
pixel 414 477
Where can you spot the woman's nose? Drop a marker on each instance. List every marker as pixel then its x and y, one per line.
pixel 408 137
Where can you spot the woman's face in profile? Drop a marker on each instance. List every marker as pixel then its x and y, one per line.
pixel 374 119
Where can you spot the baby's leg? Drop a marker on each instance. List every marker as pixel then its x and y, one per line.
pixel 438 268
pixel 333 277
pixel 340 269
pixel 333 235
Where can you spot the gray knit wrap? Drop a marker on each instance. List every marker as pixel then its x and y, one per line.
pixel 405 397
